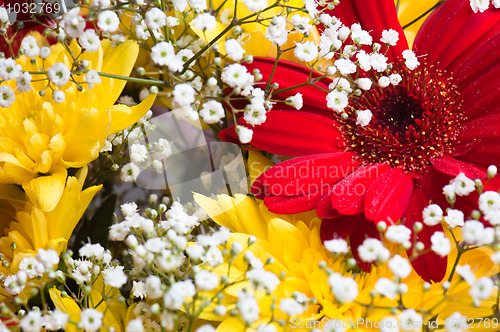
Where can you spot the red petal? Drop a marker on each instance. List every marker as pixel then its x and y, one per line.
pixel 388 196
pixel 485 153
pixel 454 167
pixel 374 16
pixel 453 36
pixel 296 133
pixel 288 74
pixel 294 204
pixel 364 229
pixel 349 193
pixel 324 209
pixel 487 126
pixel 308 174
pixel 430 266
pixel 340 227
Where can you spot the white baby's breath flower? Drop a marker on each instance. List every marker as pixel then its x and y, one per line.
pixel 345 289
pixel 7 96
pixel 337 101
pixel 411 60
pixel 440 244
pixel 363 118
pixel 155 18
pixel 205 280
pixel 390 37
pixel 307 51
pixel 399 266
pixel 276 31
pixel 432 215
pixel 89 41
pixel 383 82
pixel 364 83
pixel 345 66
pixel 338 246
pixel 32 322
pixel 91 319
pixel 234 50
pixel 114 276
pixel 291 307
pixel 108 21
pixel 481 289
pixel 454 218
pixel 59 74
pixel 398 234
pixel 387 288
pixel 480 5
pixel 212 111
pixel 373 250
pixel 244 134
pixel 410 320
pixel 30 47
pixel 255 5
pixel 456 323
pixel 205 22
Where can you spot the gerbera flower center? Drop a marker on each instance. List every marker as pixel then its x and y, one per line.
pixel 413 122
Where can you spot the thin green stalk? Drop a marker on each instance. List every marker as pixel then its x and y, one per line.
pixel 423 15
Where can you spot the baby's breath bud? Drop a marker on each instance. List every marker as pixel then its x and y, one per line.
pixel 51 274
pixel 3 31
pixel 248 59
pixel 381 226
pixel 5 263
pixel 358 92
pixel 376 47
pixel 475 214
pixel 316 21
pixel 446 285
pixel 61 36
pixel 217 61
pixel 351 263
pixel 224 280
pixel 153 214
pixel 322 265
pixel 282 275
pixel 155 308
pixel 64 294
pixel 427 286
pixel 273 306
pixel 141 71
pixel 251 240
pixel 85 63
pixel 479 184
pixel 476 303
pixel 34 291
pixel 344 116
pixel 336 2
pixel 153 90
pixel 275 86
pixel 417 227
pixel 115 167
pixel 492 171
pixel 373 293
pixel 18 301
pixel 162 208
pixel 420 246
pixel 233 313
pixel 237 30
pixel 42 93
pixel 394 311
pixel 330 6
pixel 33 61
pixel 13 246
pixel 407 245
pixel 86 289
pixel 281 322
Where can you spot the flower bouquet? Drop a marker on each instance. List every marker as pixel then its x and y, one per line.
pixel 254 165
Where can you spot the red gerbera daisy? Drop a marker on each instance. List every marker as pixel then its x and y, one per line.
pixel 442 119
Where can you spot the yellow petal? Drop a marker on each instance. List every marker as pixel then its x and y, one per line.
pixel 118 61
pixel 45 191
pixel 63 219
pixel 408 11
pixel 87 138
pixel 11 192
pixel 123 116
pixel 257 164
pixel 68 306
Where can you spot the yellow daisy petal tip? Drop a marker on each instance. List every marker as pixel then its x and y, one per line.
pixel 257 164
pixel 45 191
pixel 123 116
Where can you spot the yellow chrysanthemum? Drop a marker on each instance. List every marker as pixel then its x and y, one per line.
pixel 293 241
pixel 105 300
pixel 40 139
pixel 25 228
